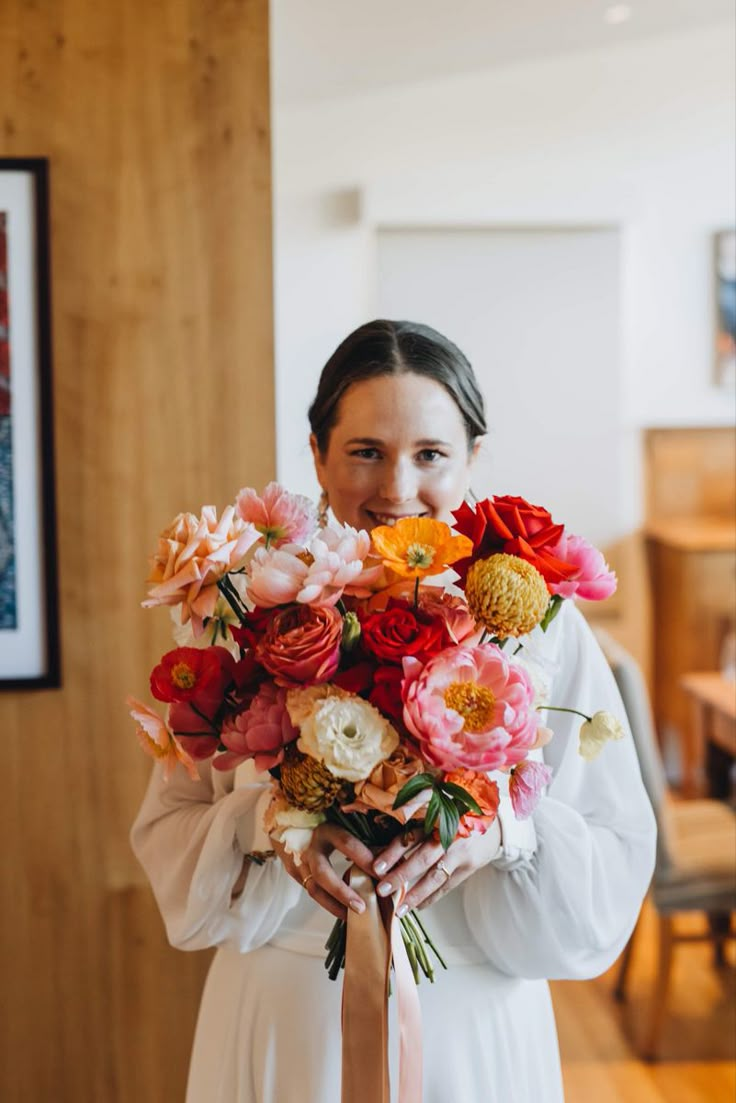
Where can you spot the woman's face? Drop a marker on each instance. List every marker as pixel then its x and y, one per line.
pixel 398 449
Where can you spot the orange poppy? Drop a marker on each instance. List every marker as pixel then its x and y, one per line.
pixel 416 547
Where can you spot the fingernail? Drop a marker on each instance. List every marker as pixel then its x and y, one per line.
pixel 402 911
pixel 357 906
pixel 380 867
pixel 385 889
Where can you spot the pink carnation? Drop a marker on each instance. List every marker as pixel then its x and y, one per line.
pixel 470 707
pixel 260 732
pixel 281 517
pixel 525 786
pixel 593 581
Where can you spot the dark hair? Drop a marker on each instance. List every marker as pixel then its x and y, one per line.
pixel 394 348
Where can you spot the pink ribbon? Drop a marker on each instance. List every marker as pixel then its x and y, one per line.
pixel 373 938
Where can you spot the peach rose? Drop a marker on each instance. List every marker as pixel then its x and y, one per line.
pixel 302 645
pixel 379 791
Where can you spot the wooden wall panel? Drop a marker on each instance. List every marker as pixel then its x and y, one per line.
pixel 155 117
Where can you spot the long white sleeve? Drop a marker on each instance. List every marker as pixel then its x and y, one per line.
pixel 190 838
pixel 568 909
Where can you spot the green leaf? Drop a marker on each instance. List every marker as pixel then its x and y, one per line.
pixel 449 821
pixel 461 796
pixel 555 604
pixel 412 788
pixel 433 811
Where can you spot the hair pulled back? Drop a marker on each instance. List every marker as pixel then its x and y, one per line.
pixel 384 347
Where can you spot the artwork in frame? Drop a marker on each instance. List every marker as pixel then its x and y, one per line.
pixel 29 628
pixel 725 277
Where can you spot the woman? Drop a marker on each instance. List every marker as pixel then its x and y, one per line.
pixel 396 426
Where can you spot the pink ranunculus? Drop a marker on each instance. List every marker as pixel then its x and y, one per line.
pixel 276 575
pixel 594 580
pixel 281 517
pixel 259 732
pixel 193 554
pixel 525 786
pixel 301 646
pixel 158 742
pixel 339 553
pixel 470 707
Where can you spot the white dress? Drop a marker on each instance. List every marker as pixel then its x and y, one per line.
pixel 559 901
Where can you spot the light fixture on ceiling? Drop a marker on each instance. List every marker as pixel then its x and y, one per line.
pixel 617 13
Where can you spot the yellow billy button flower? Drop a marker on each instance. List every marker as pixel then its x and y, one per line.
pixel 416 547
pixel 507 595
pixel 473 702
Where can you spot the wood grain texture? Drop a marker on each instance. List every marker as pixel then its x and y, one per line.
pixel 155 118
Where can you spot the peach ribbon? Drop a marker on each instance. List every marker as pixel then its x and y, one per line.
pixel 373 938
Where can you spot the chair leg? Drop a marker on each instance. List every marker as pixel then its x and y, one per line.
pixel 666 944
pixel 619 992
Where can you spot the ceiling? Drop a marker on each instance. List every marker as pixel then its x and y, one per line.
pixel 335 48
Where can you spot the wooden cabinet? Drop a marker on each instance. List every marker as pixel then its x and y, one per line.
pixel 692 566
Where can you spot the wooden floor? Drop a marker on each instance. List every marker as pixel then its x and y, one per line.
pixel 598 1037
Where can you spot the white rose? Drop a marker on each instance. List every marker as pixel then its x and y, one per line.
pixel 594 733
pixel 348 735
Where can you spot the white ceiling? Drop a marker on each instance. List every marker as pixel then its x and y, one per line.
pixel 336 48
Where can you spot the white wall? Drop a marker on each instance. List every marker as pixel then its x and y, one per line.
pixel 638 137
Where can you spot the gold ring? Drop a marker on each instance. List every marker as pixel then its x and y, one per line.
pixel 443 869
pixel 307 879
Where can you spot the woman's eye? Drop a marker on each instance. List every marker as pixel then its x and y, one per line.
pixel 365 453
pixel 429 455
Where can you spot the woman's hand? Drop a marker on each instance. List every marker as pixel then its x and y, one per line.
pixel 315 872
pixel 427 869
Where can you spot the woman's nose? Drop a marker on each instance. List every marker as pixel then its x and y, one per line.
pixel 399 483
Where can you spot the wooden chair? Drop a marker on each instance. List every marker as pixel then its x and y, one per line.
pixel 696 847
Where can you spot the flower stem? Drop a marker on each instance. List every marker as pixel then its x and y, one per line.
pixel 557 708
pixel 416 592
pixel 428 940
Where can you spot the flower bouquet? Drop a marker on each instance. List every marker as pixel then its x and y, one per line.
pixel 376 699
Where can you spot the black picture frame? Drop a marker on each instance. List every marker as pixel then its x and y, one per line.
pixel 30 656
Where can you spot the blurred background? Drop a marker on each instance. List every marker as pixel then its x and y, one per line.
pixel 233 187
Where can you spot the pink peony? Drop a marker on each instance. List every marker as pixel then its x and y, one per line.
pixel 470 707
pixel 281 517
pixel 525 786
pixel 339 553
pixel 593 580
pixel 259 732
pixel 193 555
pixel 276 575
pixel 332 565
pixel 158 742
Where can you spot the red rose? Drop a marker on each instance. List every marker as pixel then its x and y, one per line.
pixel 514 526
pixel 400 630
pixel 356 679
pixel 198 675
pixel 302 645
pixel 386 692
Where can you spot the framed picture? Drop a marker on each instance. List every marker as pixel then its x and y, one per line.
pixel 29 629
pixel 725 279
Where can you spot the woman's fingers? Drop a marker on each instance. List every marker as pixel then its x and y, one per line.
pixel 334 887
pixel 397 849
pixel 411 870
pixel 338 839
